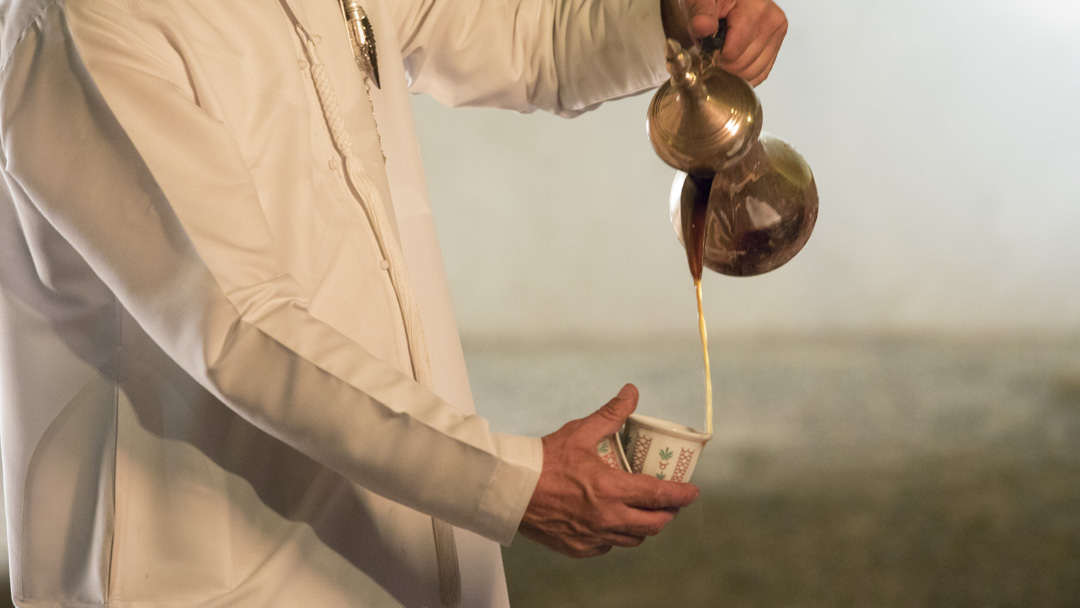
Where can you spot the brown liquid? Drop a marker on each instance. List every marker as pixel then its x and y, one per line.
pixel 705 355
pixel 695 202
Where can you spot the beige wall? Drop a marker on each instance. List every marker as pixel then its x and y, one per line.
pixel 943 138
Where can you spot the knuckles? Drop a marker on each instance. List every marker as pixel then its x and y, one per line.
pixel 605 520
pixel 778 18
pixel 657 498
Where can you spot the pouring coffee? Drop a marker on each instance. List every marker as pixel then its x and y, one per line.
pixel 743 203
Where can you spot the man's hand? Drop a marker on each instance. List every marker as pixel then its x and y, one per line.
pixel 583 508
pixel 756 29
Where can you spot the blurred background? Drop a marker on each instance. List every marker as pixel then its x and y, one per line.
pixel 898 408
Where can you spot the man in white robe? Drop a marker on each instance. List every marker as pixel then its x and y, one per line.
pixel 230 373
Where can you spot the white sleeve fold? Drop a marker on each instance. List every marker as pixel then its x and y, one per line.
pixel 562 56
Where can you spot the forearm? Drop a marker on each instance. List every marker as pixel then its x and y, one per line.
pixel 562 56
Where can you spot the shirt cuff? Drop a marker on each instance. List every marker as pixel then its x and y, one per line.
pixel 511 488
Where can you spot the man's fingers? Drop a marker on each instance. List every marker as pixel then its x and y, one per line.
pixel 645 522
pixel 740 34
pixel 614 413
pixel 591 552
pixel 764 74
pixel 755 73
pixel 759 69
pixel 647 493
pixel 625 540
pixel 755 32
pixel 745 50
pixel 757 54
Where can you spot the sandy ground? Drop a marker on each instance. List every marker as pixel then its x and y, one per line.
pixel 862 472
pixel 883 472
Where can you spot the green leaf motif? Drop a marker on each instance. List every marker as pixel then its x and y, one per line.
pixel 661 476
pixel 666 454
pixel 604 447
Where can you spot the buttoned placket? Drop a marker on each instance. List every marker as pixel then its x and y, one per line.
pixel 364 192
pixel 335 166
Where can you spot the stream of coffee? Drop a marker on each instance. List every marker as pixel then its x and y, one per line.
pixel 705 355
pixel 695 202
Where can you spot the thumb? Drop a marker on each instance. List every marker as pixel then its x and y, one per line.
pixel 614 413
pixel 703 15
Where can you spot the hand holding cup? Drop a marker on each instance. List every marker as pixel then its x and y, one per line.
pixel 581 506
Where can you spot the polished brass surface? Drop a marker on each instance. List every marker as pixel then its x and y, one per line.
pixel 702 119
pixel 742 203
pixel 760 212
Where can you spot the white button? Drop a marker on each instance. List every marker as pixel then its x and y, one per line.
pixel 332 164
pixel 317 38
pixel 302 63
pixel 385 265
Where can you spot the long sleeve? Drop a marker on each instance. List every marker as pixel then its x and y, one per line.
pixel 562 56
pixel 156 197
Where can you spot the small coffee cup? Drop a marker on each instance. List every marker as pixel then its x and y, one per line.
pixel 663 449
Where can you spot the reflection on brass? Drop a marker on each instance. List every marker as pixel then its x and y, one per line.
pixel 758 215
pixel 703 118
pixel 743 203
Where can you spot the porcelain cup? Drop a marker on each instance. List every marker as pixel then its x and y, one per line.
pixel 663 449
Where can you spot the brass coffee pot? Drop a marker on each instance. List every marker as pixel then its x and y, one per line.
pixel 743 202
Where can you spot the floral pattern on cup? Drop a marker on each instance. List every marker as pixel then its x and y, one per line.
pixel 665 460
pixel 663 449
